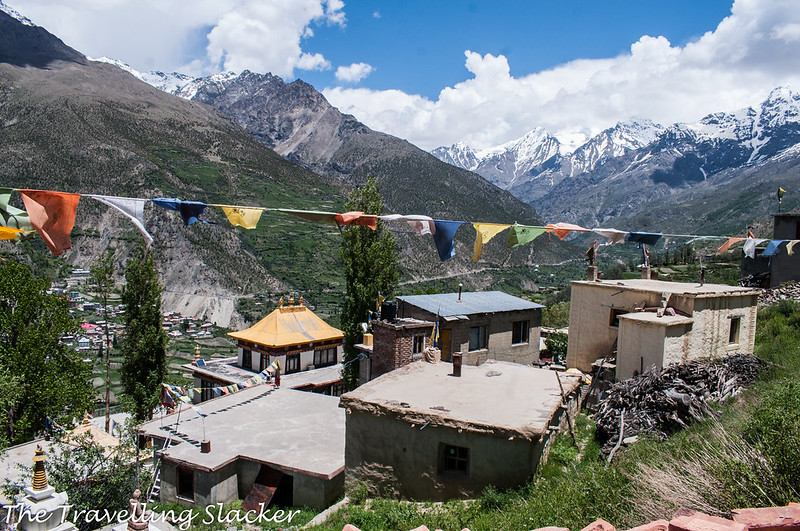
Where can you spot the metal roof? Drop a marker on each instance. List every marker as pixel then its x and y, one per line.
pixel 471 303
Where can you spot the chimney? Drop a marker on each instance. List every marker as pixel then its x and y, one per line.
pixel 457 364
pixel 591 273
pixel 460 285
pixel 646 273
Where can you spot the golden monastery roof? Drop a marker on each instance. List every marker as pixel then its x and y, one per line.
pixel 288 326
pixel 106 440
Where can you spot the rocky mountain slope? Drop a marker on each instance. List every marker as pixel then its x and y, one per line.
pixel 84 126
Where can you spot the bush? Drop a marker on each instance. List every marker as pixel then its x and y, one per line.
pixel 556 346
pixel 775 428
pixel 556 315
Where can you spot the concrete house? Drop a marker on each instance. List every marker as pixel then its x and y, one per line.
pixel 421 433
pixel 772 271
pixel 260 444
pixel 482 325
pixel 652 322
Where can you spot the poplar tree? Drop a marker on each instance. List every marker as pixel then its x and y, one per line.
pixel 369 261
pixel 145 345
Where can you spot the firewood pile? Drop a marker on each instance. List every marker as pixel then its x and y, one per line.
pixel 661 402
pixel 787 290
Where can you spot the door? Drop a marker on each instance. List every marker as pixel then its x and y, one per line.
pixel 444 344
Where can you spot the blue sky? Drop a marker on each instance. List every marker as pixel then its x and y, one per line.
pixel 483 72
pixel 417 46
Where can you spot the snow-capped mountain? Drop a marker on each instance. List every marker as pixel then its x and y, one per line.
pixel 10 11
pixel 515 163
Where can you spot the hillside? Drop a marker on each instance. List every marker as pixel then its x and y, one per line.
pixel 83 126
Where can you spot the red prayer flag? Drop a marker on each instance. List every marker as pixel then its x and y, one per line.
pixel 562 229
pixel 357 218
pixel 52 214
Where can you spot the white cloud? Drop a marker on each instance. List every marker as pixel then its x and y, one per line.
pixel 259 35
pixel 353 73
pixel 750 52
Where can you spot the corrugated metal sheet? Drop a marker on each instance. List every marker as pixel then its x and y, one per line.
pixel 472 302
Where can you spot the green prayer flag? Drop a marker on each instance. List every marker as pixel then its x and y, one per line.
pixel 522 234
pixel 13 217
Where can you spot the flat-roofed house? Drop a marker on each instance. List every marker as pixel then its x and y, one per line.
pixel 419 432
pixel 652 322
pixel 482 325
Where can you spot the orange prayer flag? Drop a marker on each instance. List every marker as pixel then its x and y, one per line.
pixel 9 233
pixel 727 245
pixel 357 218
pixel 562 229
pixel 52 214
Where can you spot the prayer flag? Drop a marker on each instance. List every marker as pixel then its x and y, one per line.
pixel 357 218
pixel 772 248
pixel 484 233
pixel 443 238
pixel 8 233
pixel 132 208
pixel 328 218
pixel 616 236
pixel 13 217
pixel 419 224
pixel 750 246
pixel 647 238
pixel 381 298
pixel 190 211
pixel 562 229
pixel 522 234
pixel 790 247
pixel 591 252
pixel 781 191
pixel 727 245
pixel 52 214
pixel 242 216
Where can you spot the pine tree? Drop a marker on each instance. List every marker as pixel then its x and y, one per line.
pixel 39 376
pixel 145 345
pixel 369 261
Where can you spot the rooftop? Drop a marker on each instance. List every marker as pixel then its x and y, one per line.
pixel 676 288
pixel 291 429
pixel 502 398
pixel 652 317
pixel 228 370
pixel 472 302
pixel 291 325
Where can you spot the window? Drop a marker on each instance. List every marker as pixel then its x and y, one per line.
pixel 292 363
pixel 519 332
pixel 615 313
pixel 185 483
pixel 733 335
pixel 325 357
pixel 247 359
pixel 418 344
pixel 454 459
pixel 263 362
pixel 477 337
pixel 206 390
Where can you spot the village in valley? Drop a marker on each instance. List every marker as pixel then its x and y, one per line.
pixel 231 301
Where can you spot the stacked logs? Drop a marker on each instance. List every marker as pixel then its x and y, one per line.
pixel 661 402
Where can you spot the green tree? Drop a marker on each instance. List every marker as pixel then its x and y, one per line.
pixel 369 261
pixel 145 345
pixel 40 376
pixel 102 274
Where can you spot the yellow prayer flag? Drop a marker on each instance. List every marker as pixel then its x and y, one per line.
pixel 9 233
pixel 485 232
pixel 242 216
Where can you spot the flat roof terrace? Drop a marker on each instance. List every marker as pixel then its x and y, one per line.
pixel 501 398
pixel 676 288
pixel 295 430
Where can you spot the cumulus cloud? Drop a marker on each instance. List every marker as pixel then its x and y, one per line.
pixel 259 35
pixel 353 73
pixel 750 52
